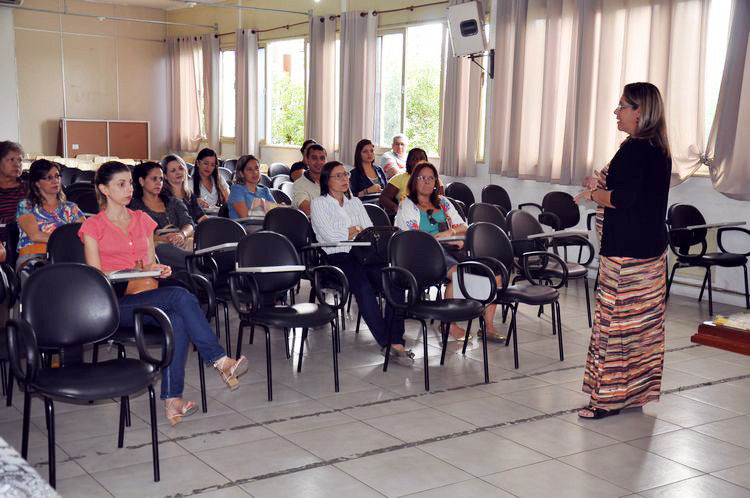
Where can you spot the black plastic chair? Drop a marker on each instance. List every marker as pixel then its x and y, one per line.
pixel 68 176
pixel 490 213
pixel 64 245
pixel 279 197
pixel 287 188
pixel 276 169
pixel 489 244
pixel 265 180
pixel 87 314
pixel 417 263
pixel 85 176
pixel 522 224
pixel 460 191
pixel 279 179
pixel 254 295
pixel 460 207
pixel 84 195
pixel 9 292
pixel 682 238
pixel 497 195
pixel 11 248
pixel 227 174
pixel 230 164
pixel 377 215
pixel 560 212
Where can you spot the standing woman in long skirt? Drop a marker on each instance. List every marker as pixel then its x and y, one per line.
pixel 626 353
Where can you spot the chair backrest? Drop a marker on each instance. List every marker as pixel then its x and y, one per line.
pixel 226 174
pixel 490 213
pixel 68 175
pixel 69 304
pixel 291 223
pixel 497 195
pixel 84 177
pixel 564 207
pixel 377 215
pixel 279 179
pixel 522 224
pixel 64 245
pixel 215 231
pixel 288 189
pixel 460 207
pixel 681 216
pixel 276 169
pixel 488 240
pixel 460 191
pixel 269 249
pixel 12 246
pixel 419 253
pixel 230 164
pixel 86 201
pixel 279 197
pixel 265 180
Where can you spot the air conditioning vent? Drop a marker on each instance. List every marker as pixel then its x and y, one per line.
pixel 10 2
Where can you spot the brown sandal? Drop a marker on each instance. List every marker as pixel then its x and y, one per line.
pixel 229 376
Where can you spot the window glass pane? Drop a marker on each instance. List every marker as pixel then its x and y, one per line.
pixel 261 93
pixel 390 78
pixel 337 83
pixel 422 98
pixel 286 67
pixel 227 93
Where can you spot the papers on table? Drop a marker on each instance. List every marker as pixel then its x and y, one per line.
pixel 270 269
pixel 561 233
pixel 228 246
pixel 213 210
pixel 718 225
pixel 251 220
pixel 452 238
pixel 131 274
pixel 343 243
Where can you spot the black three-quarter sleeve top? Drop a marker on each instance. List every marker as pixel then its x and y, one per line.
pixel 639 181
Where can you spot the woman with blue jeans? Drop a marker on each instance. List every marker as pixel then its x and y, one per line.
pixel 118 238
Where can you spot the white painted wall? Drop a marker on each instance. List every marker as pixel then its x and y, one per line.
pixel 9 82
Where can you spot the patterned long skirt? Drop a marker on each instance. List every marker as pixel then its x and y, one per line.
pixel 626 352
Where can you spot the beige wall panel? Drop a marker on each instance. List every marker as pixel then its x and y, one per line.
pixel 39 20
pixel 227 20
pixel 143 88
pixel 39 90
pixel 88 25
pixel 139 29
pixel 90 77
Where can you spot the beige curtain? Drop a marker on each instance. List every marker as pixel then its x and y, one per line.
pixel 246 124
pixel 357 107
pixel 321 91
pixel 729 142
pixel 211 105
pixel 186 64
pixel 560 68
pixel 460 118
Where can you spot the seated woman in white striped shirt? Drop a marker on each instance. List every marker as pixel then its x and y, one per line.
pixel 337 216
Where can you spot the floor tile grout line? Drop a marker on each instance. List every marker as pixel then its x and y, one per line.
pixel 389 449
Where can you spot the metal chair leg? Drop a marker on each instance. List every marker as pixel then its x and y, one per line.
pixel 286 342
pixel 121 427
pixel 202 377
pixel 154 436
pixel 710 297
pixel 426 365
pixel 269 379
pixel 26 420
pixel 301 349
pixel 9 391
pixel 556 312
pixel 515 336
pixel 466 337
pixel 49 412
pixel 703 285
pixel 336 348
pixel 669 281
pixel 747 295
pixel 588 300
pixel 444 330
pixel 228 338
pixel 483 328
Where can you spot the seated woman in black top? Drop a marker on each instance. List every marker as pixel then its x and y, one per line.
pixel 178 185
pixel 169 213
pixel 367 177
pixel 300 167
pixel 626 352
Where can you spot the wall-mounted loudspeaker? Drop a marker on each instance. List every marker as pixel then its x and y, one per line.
pixel 466 26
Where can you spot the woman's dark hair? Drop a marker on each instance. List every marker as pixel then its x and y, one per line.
pixel 652 124
pixel 412 185
pixel 104 175
pixel 415 155
pixel 141 171
pixel 6 147
pixel 305 145
pixel 325 177
pixel 204 153
pixel 242 162
pixel 38 170
pixel 358 153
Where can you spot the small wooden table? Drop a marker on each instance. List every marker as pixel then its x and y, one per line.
pixel 723 337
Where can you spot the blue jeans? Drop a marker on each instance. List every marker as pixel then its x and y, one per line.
pixel 189 324
pixel 362 284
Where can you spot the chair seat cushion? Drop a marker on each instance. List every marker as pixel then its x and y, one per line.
pixel 726 259
pixel 126 335
pixel 528 294
pixel 298 315
pixel 87 381
pixel 447 310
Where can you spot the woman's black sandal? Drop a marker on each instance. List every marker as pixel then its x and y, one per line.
pixel 596 413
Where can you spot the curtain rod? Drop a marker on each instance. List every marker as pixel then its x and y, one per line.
pixel 110 18
pixel 410 8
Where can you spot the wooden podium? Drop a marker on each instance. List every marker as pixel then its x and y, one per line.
pixel 722 337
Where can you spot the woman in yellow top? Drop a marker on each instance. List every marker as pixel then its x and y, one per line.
pixel 395 191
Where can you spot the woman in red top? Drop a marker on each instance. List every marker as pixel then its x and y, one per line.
pixel 118 238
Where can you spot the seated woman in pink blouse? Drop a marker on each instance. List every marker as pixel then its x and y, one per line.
pixel 118 238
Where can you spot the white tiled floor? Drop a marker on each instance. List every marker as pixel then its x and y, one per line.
pixel 382 434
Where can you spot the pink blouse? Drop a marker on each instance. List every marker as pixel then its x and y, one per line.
pixel 118 251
